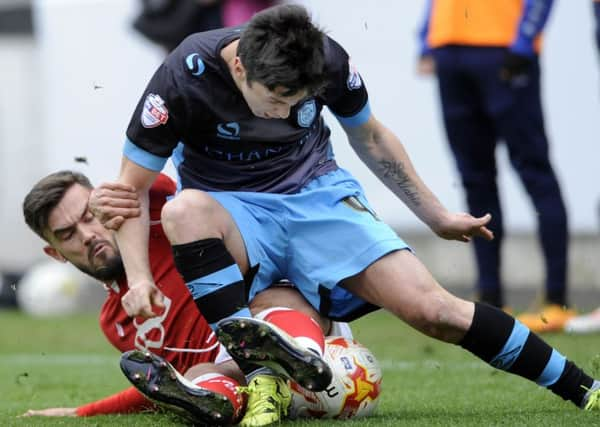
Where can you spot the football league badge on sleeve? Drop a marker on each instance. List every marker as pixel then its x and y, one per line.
pixel 155 112
pixel 354 81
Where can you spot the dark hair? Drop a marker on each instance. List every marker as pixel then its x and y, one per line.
pixel 280 46
pixel 46 194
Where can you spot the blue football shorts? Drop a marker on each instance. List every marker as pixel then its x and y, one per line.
pixel 314 238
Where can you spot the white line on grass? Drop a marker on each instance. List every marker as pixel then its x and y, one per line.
pixel 68 359
pixel 74 359
pixel 403 365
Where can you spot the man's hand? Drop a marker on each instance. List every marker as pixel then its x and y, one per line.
pixel 515 69
pixel 51 412
pixel 462 227
pixel 112 203
pixel 426 65
pixel 140 298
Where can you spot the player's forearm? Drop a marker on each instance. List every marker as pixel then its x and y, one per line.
pixel 385 155
pixel 127 401
pixel 132 239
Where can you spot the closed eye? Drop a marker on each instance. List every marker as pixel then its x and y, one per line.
pixel 65 234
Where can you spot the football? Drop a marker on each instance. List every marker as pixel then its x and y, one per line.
pixel 354 389
pixel 51 288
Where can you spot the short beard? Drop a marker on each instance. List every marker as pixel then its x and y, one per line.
pixel 112 270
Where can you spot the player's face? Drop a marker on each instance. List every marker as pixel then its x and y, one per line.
pixel 268 104
pixel 264 103
pixel 76 236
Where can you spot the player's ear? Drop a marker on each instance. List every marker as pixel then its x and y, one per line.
pixel 53 253
pixel 238 68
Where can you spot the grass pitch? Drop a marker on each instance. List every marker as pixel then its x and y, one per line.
pixel 66 362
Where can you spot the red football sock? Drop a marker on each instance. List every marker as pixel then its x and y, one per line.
pixel 126 401
pixel 298 325
pixel 226 386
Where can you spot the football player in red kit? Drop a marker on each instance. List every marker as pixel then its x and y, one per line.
pixel 57 210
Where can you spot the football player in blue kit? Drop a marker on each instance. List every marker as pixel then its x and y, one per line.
pixel 261 198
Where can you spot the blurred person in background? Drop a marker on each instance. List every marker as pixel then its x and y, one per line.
pixel 486 58
pixel 237 12
pixel 597 16
pixel 590 322
pixel 168 22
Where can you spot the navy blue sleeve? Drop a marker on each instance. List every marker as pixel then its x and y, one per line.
pixel 156 124
pixel 346 95
pixel 424 48
pixel 597 15
pixel 534 17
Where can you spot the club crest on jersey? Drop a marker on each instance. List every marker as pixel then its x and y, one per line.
pixel 354 81
pixel 307 113
pixel 155 112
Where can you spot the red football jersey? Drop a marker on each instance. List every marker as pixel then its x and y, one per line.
pixel 179 333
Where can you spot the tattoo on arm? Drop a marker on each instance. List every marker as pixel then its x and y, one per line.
pixel 395 171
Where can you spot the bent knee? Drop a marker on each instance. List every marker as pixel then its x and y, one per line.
pixel 189 203
pixel 289 297
pixel 192 215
